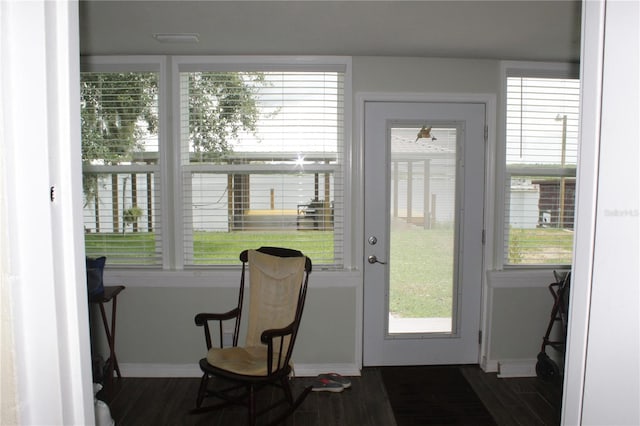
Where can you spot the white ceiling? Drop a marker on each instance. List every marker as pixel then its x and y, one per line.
pixel 514 30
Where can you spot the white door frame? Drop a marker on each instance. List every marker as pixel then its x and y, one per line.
pixel 489 100
pixel 48 356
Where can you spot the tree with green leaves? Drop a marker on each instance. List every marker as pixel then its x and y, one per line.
pixel 119 109
pixel 221 105
pixel 112 106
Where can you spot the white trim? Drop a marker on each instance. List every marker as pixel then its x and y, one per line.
pixel 312 370
pixel 63 116
pixel 165 100
pixel 517 368
pixel 521 278
pixel 489 366
pixel 349 260
pixel 261 63
pixel 193 370
pixel 48 300
pixel 490 179
pixel 486 363
pixel 215 278
pixel 129 369
pixel 486 98
pixel 174 217
pixel 592 74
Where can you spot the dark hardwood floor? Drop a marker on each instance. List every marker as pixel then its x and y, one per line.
pixel 517 401
pixel 167 401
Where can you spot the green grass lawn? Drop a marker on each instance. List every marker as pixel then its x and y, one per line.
pixel 421 272
pixel 138 248
pixel 524 245
pixel 209 248
pixel 224 247
pixel 421 259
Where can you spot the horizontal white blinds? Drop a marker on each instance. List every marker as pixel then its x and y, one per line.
pixel 119 114
pixel 541 155
pixel 542 121
pixel 262 164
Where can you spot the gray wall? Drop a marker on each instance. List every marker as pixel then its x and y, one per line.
pixel 519 308
pixel 425 75
pixel 155 325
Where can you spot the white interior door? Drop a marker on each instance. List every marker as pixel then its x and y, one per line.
pixel 423 257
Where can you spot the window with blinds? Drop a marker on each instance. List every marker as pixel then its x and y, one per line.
pixel 120 150
pixel 541 153
pixel 261 164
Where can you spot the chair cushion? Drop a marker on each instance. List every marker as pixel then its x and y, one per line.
pixel 250 361
pixel 273 295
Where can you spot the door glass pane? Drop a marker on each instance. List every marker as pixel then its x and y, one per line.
pixel 422 231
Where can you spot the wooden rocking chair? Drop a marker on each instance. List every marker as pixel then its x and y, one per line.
pixel 277 291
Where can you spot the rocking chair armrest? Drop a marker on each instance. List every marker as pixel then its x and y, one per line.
pixel 277 352
pixel 202 318
pixel 268 335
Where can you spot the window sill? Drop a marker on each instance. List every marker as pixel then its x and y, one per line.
pixel 216 278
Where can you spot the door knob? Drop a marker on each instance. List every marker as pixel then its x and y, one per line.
pixel 373 259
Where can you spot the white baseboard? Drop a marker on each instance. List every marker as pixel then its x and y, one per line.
pixel 160 370
pixel 193 370
pixel 505 368
pixel 489 366
pixel 517 368
pixel 312 370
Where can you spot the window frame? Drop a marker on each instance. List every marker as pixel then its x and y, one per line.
pixel 169 167
pixel 520 69
pixel 151 63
